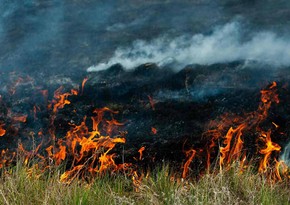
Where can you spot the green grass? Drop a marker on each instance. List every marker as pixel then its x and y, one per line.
pixel 158 187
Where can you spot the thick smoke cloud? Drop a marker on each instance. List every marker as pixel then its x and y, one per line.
pixel 225 44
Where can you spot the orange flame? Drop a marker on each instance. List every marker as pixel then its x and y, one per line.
pixel 190 154
pixel 90 150
pixel 83 84
pixel 6 157
pixel 226 149
pixel 267 151
pixel 235 152
pixel 60 155
pixel 137 180
pixel 2 131
pixel 232 140
pixel 61 99
pixel 70 175
pixel 141 152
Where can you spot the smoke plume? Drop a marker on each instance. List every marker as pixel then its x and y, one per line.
pixel 225 44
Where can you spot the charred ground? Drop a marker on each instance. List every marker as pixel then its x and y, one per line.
pixel 178 105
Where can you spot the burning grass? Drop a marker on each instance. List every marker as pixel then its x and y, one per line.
pixel 236 162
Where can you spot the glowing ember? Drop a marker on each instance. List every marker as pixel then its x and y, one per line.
pixel 154 130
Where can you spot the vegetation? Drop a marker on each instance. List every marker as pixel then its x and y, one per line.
pixel 20 185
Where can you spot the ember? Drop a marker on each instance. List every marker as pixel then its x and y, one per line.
pixel 154 130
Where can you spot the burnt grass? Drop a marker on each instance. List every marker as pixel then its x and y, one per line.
pixel 183 103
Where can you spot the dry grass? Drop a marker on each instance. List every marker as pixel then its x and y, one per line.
pixel 20 186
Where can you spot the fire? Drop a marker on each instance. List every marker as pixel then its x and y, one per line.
pixel 69 176
pixel 137 179
pixel 58 156
pixel 2 131
pixel 154 130
pixel 60 100
pixel 267 151
pixel 239 127
pixel 6 157
pixel 83 84
pixel 226 149
pixel 190 154
pixel 87 150
pixel 90 149
pixel 87 147
pixel 74 92
pixel 228 154
pixel 141 152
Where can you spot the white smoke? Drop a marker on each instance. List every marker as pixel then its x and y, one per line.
pixel 225 44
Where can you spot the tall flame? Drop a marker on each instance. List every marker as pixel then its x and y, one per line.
pixel 238 127
pixel 190 154
pixel 267 151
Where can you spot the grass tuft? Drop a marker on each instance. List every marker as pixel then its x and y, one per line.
pixel 20 185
